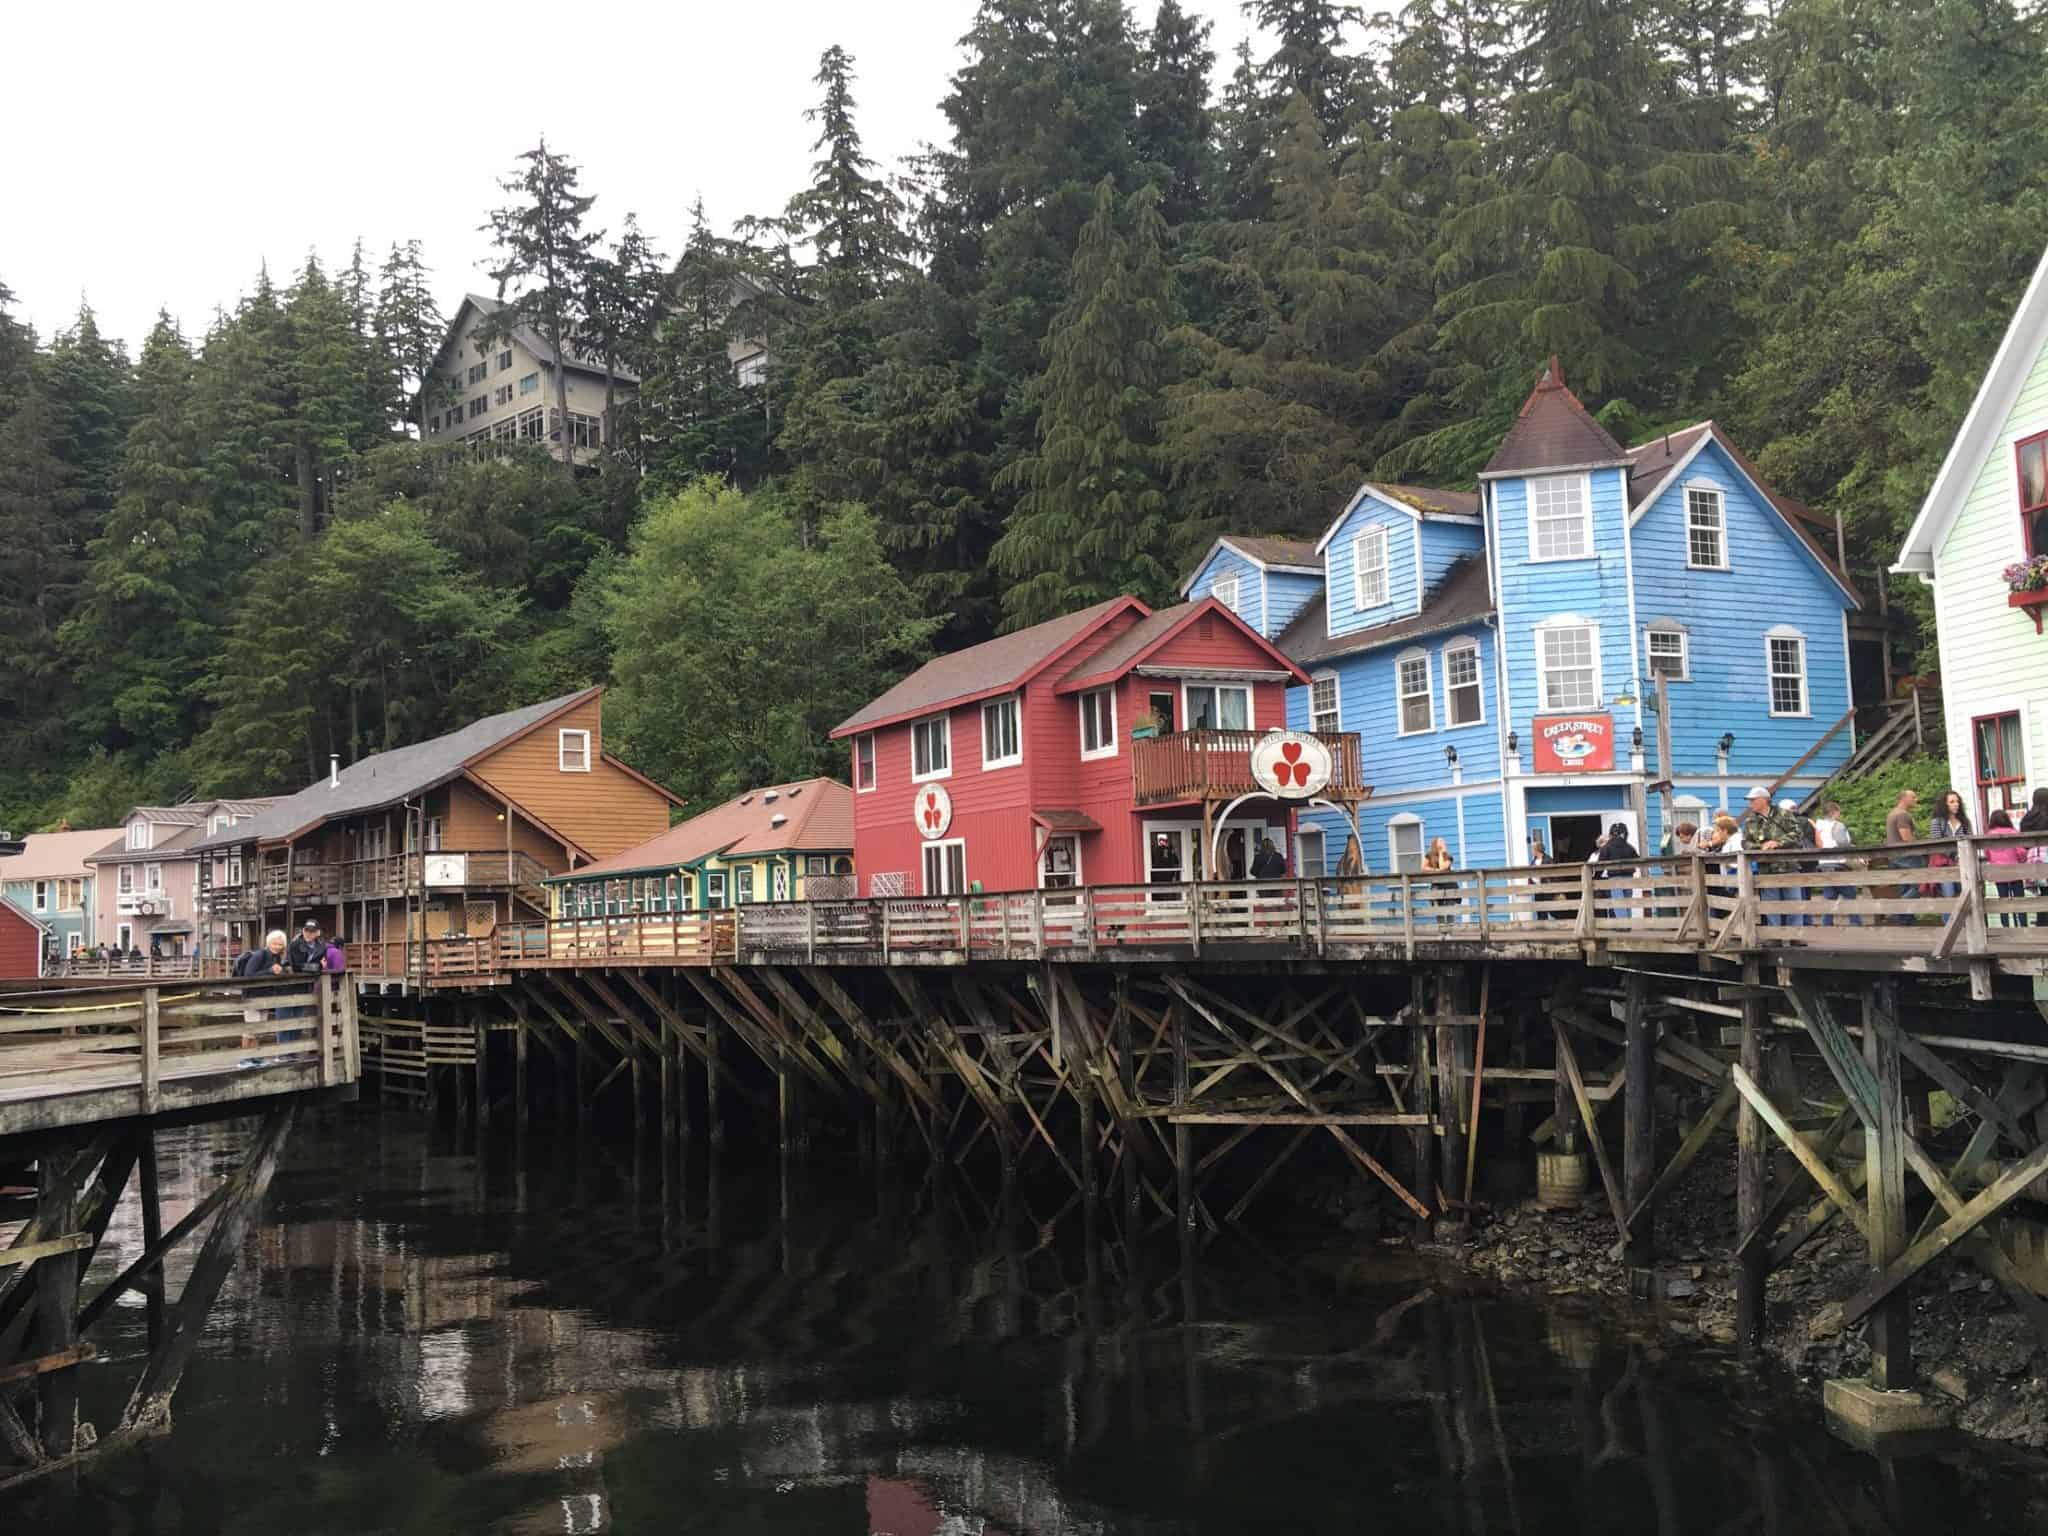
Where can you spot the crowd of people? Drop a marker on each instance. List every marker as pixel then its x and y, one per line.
pixel 307 955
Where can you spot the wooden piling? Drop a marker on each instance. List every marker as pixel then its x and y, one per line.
pixel 56 1317
pixel 1639 1134
pixel 520 1034
pixel 714 1110
pixel 1891 1320
pixel 1752 1171
pixel 1183 1158
pixel 1421 1100
pixel 1127 1086
pixel 483 1076
pixel 152 1228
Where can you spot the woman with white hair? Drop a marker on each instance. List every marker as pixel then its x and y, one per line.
pixel 267 961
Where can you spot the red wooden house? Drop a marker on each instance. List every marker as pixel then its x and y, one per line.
pixel 1013 764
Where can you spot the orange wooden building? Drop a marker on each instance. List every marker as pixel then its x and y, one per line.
pixel 443 839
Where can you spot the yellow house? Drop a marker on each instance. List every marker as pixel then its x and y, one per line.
pixel 787 842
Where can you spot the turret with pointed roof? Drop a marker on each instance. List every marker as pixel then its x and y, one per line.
pixel 1553 430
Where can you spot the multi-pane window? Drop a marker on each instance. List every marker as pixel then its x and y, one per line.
pixel 529 384
pixel 945 867
pixel 2033 462
pixel 1787 655
pixel 478 406
pixel 1098 723
pixel 1323 714
pixel 1219 707
pixel 931 747
pixel 1369 567
pixel 42 896
pixel 477 372
pixel 1667 653
pixel 138 834
pixel 125 884
pixel 502 395
pixel 743 884
pixel 1559 525
pixel 504 360
pixel 573 751
pixel 1404 844
pixel 506 429
pixel 1461 685
pixel 584 431
pixel 1417 711
pixel 1001 742
pixel 1706 533
pixel 2001 764
pixel 152 877
pixel 1567 660
pixel 751 372
pixel 864 762
pixel 1224 590
pixel 533 424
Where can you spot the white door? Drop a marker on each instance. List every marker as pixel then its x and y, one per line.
pixel 1169 857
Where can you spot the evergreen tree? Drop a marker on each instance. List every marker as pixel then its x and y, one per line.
pixel 545 253
pixel 622 301
pixel 698 419
pixel 88 383
pixel 1093 520
pixel 1174 134
pixel 1245 132
pixel 337 390
pixel 1307 60
pixel 411 327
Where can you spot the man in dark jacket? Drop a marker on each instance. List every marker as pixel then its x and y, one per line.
pixel 308 952
pixel 1267 863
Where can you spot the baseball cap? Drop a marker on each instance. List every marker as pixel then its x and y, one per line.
pixel 1787 804
pixel 309 923
pixel 1757 792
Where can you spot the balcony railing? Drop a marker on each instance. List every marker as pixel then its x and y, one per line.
pixel 1217 765
pixel 394 876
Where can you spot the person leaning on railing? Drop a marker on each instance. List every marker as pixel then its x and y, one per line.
pixel 1766 829
pixel 2035 826
pixel 1832 834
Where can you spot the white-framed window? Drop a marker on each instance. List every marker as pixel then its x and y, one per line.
pixel 1224 590
pixel 1668 653
pixel 73 943
pixel 1311 853
pixel 751 372
pixel 504 360
pixel 714 887
pixel 1568 666
pixel 533 424
pixel 1464 703
pixel 1324 714
pixel 1217 706
pixel 1002 740
pixel 1706 528
pixel 530 384
pixel 124 935
pixel 585 431
pixel 743 884
pixel 152 877
pixel 1560 522
pixel 1098 723
pixel 478 406
pixel 235 869
pixel 945 867
pixel 572 751
pixel 1369 567
pixel 434 830
pixel 931 748
pixel 1785 655
pixel 507 429
pixel 221 822
pixel 502 395
pixel 42 896
pixel 125 881
pixel 1404 843
pixel 71 895
pixel 1415 709
pixel 138 834
pixel 477 372
pixel 864 763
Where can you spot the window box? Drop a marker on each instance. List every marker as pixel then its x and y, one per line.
pixel 2032 603
pixel 1144 731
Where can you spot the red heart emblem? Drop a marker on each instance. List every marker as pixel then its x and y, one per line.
pixel 1291 750
pixel 1300 772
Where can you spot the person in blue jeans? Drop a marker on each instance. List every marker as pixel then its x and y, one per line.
pixel 1832 835
pixel 1766 829
pixel 1950 820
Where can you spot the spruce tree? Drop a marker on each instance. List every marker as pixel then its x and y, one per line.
pixel 1093 520
pixel 37 576
pixel 1174 134
pixel 544 255
pixel 411 327
pixel 1308 60
pixel 622 301
pixel 699 420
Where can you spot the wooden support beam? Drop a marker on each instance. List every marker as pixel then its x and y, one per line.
pixel 1568 1058
pixel 1688 1150
pixel 680 1028
pixel 1797 1145
pixel 1891 1322
pixel 1639 1130
pixel 1752 1173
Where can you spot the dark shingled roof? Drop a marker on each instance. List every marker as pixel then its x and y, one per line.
pixel 990 667
pixel 1066 821
pixel 386 777
pixel 1131 644
pixel 1272 551
pixel 1553 431
pixel 1458 599
pixel 1426 498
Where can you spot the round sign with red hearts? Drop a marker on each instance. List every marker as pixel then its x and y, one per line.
pixel 932 810
pixel 1290 764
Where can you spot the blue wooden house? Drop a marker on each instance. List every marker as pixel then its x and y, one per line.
pixel 1498 650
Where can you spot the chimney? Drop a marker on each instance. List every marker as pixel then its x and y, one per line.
pixel 334 770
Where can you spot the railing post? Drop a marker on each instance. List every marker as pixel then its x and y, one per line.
pixel 1038 925
pixel 1479 892
pixel 1976 926
pixel 1195 917
pixel 1302 897
pixel 966 925
pixel 1408 912
pixel 1745 899
pixel 1698 900
pixel 324 989
pixel 152 1049
pixel 811 931
pixel 885 927
pixel 1088 914
pixel 1585 926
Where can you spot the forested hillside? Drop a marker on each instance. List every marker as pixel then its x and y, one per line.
pixel 1141 294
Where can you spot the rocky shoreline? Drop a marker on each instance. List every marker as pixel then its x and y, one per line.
pixel 1973 1349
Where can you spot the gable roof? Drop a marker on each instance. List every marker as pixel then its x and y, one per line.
pixel 1553 431
pixel 384 778
pixel 1146 636
pixel 1459 598
pixel 1656 465
pixel 819 819
pixel 53 855
pixel 1268 553
pixel 1418 501
pixel 2025 335
pixel 994 666
pixel 528 338
pixel 14 909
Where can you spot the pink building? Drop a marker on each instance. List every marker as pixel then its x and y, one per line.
pixel 146 882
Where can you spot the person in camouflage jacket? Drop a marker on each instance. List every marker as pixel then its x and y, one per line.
pixel 1766 829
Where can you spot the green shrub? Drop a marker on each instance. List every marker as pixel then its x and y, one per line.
pixel 1867 801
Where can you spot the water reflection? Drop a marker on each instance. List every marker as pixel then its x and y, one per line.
pixel 541 1335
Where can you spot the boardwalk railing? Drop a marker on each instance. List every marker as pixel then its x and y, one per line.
pixel 75 1056
pixel 1891 901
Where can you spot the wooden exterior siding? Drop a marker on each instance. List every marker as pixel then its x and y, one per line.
pixel 605 811
pixel 21 945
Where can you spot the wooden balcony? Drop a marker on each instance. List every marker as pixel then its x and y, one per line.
pixel 393 878
pixel 1217 766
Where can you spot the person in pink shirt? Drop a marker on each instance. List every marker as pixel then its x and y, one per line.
pixel 2002 853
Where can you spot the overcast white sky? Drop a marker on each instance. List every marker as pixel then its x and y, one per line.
pixel 163 153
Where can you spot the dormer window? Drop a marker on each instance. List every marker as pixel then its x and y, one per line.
pixel 572 751
pixel 1560 524
pixel 138 834
pixel 1224 590
pixel 1369 567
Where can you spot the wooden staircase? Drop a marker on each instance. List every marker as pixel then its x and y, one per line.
pixel 1909 721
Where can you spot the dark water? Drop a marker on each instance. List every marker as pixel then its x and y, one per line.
pixel 420 1338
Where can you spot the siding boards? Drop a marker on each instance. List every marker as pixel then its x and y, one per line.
pixel 605 811
pixel 1443 543
pixel 1251 606
pixel 1340 568
pixel 1286 595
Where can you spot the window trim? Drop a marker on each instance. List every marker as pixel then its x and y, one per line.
pixel 1720 498
pixel 1684 673
pixel 124 880
pixel 562 750
pixel 1377 532
pixel 939 846
pixel 1320 870
pixel 1805 710
pixel 1336 708
pixel 1233 583
pixel 1402 694
pixel 40 897
pixel 1014 758
pixel 1403 820
pixel 138 835
pixel 2018 714
pixel 2019 487
pixel 1108 746
pixel 1187 710
pixel 1477 685
pixel 1551 625
pixel 743 885
pixel 1585 485
pixel 153 877
pixel 866 739
pixel 944 719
